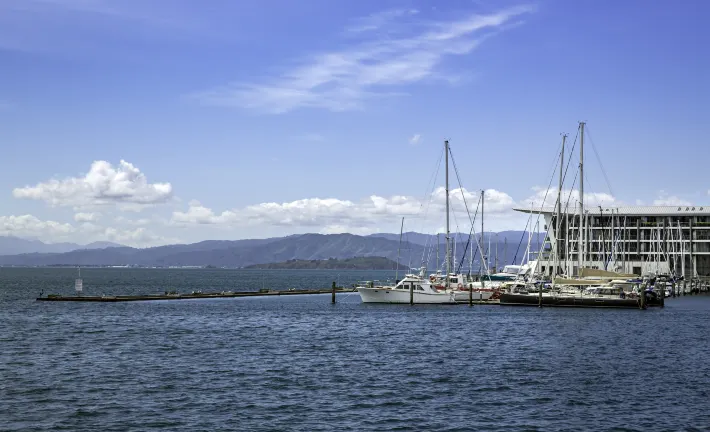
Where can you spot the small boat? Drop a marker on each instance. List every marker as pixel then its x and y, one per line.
pixel 422 292
pixel 593 296
pixel 460 286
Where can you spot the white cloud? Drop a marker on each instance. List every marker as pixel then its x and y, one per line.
pixel 139 237
pixel 378 20
pixel 125 185
pixel 570 199
pixel 342 80
pixel 415 139
pixel 86 217
pixel 329 215
pixel 30 226
pixel 664 199
pixel 135 222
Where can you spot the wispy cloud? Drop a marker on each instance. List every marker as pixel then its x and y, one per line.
pixel 415 139
pixel 377 20
pixel 342 80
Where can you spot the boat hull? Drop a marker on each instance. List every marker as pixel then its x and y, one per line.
pixel 569 301
pixel 387 295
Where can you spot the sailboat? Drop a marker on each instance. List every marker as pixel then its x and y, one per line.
pixel 591 287
pixel 417 288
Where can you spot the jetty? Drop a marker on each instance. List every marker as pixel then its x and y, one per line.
pixel 189 296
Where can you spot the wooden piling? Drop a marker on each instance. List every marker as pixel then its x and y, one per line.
pixel 411 293
pixel 332 299
pixel 470 294
pixel 642 297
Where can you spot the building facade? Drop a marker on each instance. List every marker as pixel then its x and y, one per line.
pixel 638 240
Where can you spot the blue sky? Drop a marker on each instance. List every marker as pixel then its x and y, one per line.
pixel 261 118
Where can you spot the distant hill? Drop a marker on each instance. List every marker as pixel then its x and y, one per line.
pixel 355 263
pixel 243 253
pixel 10 245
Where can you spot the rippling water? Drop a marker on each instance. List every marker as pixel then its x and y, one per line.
pixel 300 363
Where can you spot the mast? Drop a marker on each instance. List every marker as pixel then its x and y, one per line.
pixel 437 252
pixel 483 241
pixel 559 208
pixel 448 252
pixel 399 247
pixel 496 269
pixel 582 236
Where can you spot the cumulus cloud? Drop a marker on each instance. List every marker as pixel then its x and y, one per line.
pixel 140 237
pixel 86 217
pixel 31 226
pixel 329 215
pixel 664 199
pixel 104 184
pixel 570 199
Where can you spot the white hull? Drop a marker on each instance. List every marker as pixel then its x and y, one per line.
pixel 389 295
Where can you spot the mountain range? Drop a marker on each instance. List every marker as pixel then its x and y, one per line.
pixel 412 251
pixel 10 245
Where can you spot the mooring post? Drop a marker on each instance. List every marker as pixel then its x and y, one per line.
pixel 539 297
pixel 411 293
pixel 642 297
pixel 470 294
pixel 332 299
pixel 663 296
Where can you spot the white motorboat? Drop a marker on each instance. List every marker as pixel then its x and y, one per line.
pixel 422 292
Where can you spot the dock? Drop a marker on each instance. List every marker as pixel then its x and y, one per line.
pixel 190 296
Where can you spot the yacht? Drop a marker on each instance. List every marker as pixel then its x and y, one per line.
pixel 413 288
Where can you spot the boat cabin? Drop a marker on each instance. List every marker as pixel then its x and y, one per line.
pixel 419 284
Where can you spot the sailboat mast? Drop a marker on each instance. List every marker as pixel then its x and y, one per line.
pixel 438 246
pixel 399 247
pixel 496 269
pixel 448 252
pixel 559 208
pixel 483 241
pixel 581 249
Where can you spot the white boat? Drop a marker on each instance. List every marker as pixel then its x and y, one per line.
pixel 423 292
pixel 460 286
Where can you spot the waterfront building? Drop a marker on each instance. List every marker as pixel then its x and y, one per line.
pixel 633 239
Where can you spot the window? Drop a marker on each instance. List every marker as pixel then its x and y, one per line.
pixel 419 288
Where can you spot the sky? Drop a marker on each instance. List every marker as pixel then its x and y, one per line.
pixel 149 122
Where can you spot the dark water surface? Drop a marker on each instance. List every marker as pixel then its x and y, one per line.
pixel 300 363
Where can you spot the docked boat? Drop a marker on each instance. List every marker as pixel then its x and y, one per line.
pixel 418 288
pixel 412 288
pixel 594 296
pixel 460 286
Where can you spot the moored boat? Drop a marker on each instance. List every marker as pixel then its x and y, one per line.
pixel 412 288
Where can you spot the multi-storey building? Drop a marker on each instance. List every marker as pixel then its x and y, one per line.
pixel 639 240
